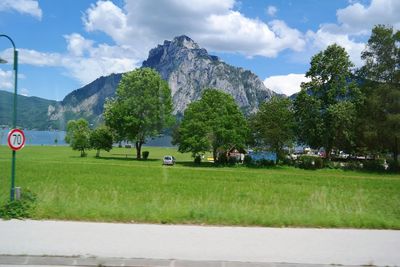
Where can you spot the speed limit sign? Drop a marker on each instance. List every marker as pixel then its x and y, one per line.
pixel 16 139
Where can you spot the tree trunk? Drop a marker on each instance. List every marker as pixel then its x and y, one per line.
pixel 395 150
pixel 82 152
pixel 98 153
pixel 138 145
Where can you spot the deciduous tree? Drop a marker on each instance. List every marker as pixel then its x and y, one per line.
pixel 141 108
pixel 211 123
pixel 77 135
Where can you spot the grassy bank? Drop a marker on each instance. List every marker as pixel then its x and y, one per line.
pixel 115 188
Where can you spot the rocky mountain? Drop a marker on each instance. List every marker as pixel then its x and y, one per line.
pixel 189 69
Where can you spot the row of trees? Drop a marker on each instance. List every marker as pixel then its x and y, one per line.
pixel 339 109
pixel 82 138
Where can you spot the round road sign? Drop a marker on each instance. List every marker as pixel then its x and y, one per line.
pixel 16 139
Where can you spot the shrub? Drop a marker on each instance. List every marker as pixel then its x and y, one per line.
pixel 232 160
pixel 222 159
pixel 18 209
pixel 197 159
pixel 310 163
pixel 374 165
pixel 352 165
pixel 145 155
pixel 265 163
pixel 248 161
pixel 394 165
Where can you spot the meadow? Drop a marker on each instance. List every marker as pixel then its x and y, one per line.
pixel 114 188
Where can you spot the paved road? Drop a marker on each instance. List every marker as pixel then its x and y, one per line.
pixel 201 243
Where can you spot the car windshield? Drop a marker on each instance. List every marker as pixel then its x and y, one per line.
pixel 167 158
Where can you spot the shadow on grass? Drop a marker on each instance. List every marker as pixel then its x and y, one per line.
pixel 129 158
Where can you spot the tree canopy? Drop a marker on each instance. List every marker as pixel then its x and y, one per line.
pixel 273 124
pixel 379 117
pixel 142 107
pixel 211 123
pixel 101 139
pixel 325 107
pixel 77 135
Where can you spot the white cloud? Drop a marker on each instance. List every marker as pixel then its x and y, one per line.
pixel 30 7
pixel 285 84
pixel 359 19
pixel 322 39
pixel 6 80
pixel 213 24
pixel 271 11
pixel 77 44
pixel 24 92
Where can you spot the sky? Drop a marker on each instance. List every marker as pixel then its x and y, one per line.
pixel 64 45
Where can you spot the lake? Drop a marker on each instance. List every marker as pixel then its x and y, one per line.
pixel 49 138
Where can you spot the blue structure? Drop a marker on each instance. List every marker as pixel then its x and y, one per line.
pixel 263 155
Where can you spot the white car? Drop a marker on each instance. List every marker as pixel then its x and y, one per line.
pixel 168 160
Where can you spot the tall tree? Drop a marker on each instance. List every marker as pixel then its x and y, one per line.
pixel 273 124
pixel 211 123
pixel 77 135
pixel 141 108
pixel 325 108
pixel 380 114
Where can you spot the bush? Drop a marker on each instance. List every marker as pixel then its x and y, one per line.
pixel 197 159
pixel 265 163
pixel 145 155
pixel 310 163
pixel 352 165
pixel 374 165
pixel 232 160
pixel 18 209
pixel 394 165
pixel 222 159
pixel 248 160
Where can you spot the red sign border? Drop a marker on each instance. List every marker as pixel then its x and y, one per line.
pixel 8 139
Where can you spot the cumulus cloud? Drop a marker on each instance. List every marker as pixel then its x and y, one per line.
pixel 271 11
pixel 354 21
pixel 30 7
pixel 214 25
pixel 285 84
pixel 6 80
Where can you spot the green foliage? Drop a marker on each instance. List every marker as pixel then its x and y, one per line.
pixel 214 122
pixel 19 209
pixel 197 159
pixel 379 116
pixel 141 108
pixel 77 135
pixel 273 124
pixel 310 162
pixel 325 107
pixel 247 160
pixel 374 165
pixel 394 165
pixel 101 139
pixel 145 155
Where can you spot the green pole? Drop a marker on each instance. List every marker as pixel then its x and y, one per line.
pixel 14 154
pixel 14 114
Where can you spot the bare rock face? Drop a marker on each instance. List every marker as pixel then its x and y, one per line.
pixel 189 70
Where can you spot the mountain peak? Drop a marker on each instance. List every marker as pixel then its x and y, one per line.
pixel 185 41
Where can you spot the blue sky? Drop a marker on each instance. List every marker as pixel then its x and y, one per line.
pixel 64 45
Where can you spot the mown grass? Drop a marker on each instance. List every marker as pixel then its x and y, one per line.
pixel 114 188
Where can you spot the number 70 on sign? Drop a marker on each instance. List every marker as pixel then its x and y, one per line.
pixel 16 139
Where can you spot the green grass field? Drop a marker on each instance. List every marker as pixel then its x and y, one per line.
pixel 113 188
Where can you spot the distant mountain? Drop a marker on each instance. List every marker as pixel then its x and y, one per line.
pixel 187 68
pixel 32 112
pixel 86 102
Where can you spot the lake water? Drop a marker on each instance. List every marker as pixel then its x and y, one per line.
pixel 49 138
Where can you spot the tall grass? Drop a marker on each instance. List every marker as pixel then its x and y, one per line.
pixel 113 188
